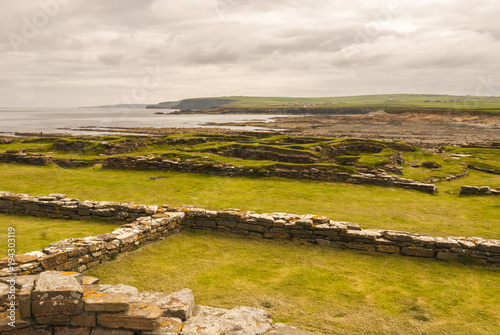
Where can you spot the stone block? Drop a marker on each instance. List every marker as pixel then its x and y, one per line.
pixel 121 289
pixel 25 297
pixel 490 246
pixel 138 317
pixel 397 236
pixel 57 307
pixel 447 255
pixel 72 330
pixel 176 305
pixel 250 227
pixel 84 320
pixel 109 331
pixel 50 262
pixel 388 249
pixel 418 252
pixel 56 320
pixel 58 285
pixel 219 321
pixel 102 302
pixel 168 326
pixel 5 319
pixel 361 246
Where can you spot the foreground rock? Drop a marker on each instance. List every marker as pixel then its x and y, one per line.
pixel 60 303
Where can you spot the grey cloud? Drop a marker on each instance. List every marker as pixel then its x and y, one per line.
pixel 93 49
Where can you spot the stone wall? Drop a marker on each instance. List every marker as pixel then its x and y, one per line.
pixel 67 303
pixel 475 190
pixel 58 206
pixel 14 156
pixel 316 172
pixel 80 254
pixel 266 153
pixel 326 232
pixel 157 223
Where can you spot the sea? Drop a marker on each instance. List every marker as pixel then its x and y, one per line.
pixel 75 121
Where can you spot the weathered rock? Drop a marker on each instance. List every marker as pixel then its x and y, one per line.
pixel 84 320
pixel 57 307
pixel 6 320
pixel 138 317
pixel 108 331
pixel 168 326
pixel 25 297
pixel 58 285
pixel 72 331
pixel 122 289
pixel 237 321
pixel 104 302
pixel 418 252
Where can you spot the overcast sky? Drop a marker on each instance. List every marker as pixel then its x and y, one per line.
pixel 95 52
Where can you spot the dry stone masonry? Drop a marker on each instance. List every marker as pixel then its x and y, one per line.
pixel 316 172
pixel 68 303
pixel 154 223
pixel 475 190
pixel 312 172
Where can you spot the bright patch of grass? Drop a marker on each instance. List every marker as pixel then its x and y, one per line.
pixel 33 233
pixel 446 213
pixel 328 291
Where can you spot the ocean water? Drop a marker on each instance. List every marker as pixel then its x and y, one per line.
pixel 69 120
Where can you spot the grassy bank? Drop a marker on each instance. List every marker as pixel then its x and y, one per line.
pixel 322 290
pixel 446 213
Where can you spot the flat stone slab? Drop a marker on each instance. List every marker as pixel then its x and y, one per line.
pixel 176 305
pixel 169 326
pixel 237 321
pixel 58 285
pixel 122 289
pixel 104 302
pixel 138 317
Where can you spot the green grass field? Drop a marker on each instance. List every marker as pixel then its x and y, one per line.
pixel 446 213
pixel 383 101
pixel 328 291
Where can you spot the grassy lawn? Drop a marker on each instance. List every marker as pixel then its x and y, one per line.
pixel 34 233
pixel 443 214
pixel 328 291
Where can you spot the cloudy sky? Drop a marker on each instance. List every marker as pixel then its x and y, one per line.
pixel 92 52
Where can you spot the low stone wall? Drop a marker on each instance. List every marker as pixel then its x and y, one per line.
pixel 67 303
pixel 322 173
pixel 492 171
pixel 326 232
pixel 58 206
pixel 475 190
pixel 80 254
pixel 70 163
pixel 266 153
pixel 14 156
